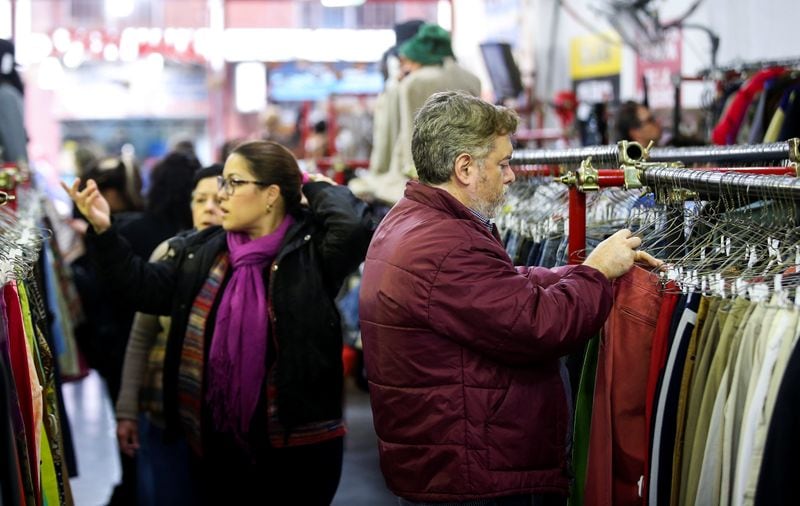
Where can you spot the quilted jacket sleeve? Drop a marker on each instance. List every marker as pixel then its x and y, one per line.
pixel 347 228
pixel 149 286
pixel 515 316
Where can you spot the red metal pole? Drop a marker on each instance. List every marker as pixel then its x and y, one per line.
pixel 577 225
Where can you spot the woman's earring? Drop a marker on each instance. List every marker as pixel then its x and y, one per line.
pixel 269 208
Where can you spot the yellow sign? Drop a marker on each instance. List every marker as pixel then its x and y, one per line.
pixel 595 55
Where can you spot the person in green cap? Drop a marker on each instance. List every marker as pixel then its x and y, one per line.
pixel 428 66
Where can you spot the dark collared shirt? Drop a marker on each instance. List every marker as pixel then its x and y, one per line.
pixel 486 221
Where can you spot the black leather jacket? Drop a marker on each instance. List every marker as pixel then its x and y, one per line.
pixel 327 242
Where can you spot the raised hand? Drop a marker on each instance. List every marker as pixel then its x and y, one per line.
pixel 91 204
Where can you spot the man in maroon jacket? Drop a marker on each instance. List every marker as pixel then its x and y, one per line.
pixel 462 348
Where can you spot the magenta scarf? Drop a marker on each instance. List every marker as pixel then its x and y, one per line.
pixel 238 356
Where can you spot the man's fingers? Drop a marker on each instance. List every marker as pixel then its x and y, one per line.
pixel 644 257
pixel 633 242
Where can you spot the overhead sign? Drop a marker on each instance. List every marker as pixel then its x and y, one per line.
pixel 595 55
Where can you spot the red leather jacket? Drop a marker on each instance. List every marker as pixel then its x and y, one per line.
pixel 462 350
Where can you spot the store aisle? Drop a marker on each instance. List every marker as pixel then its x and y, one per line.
pixel 93 428
pixel 94 434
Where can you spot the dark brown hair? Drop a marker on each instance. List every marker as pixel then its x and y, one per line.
pixel 272 163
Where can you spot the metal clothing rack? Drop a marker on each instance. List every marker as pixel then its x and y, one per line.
pixel 627 152
pixel 751 66
pixel 779 182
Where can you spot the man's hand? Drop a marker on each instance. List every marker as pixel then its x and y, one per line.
pixel 616 255
pixel 128 436
pixel 91 204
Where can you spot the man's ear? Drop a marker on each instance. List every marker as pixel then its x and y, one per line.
pixel 463 168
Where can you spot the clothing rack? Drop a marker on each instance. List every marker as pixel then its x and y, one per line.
pixel 625 152
pixel 751 66
pixel 712 182
pixel 635 173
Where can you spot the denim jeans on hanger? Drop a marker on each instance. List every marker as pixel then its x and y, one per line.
pixel 549 253
pixel 533 256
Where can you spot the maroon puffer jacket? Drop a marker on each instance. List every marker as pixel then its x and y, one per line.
pixel 462 354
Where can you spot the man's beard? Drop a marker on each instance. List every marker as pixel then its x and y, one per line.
pixel 490 208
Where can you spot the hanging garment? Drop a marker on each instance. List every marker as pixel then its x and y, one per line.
pixel 780 467
pixel 791 123
pixel 658 358
pixel 756 415
pixel 583 422
pixel 708 443
pixel 709 335
pixel 26 438
pixel 618 443
pixel 716 354
pixel 11 486
pixel 710 476
pixel 666 409
pixel 683 400
pixel 757 127
pixel 737 397
pixel 728 126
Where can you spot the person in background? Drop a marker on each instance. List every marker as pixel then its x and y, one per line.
pixel 253 368
pixel 635 122
pixel 167 210
pixel 162 466
pixel 386 122
pixel 13 139
pixel 427 66
pixel 462 348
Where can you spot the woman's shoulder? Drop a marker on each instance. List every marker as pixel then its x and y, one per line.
pixel 192 239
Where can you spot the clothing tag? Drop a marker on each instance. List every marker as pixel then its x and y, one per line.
pixel 741 287
pixel 760 292
pixel 704 284
pixel 797 255
pixel 777 245
pixel 778 283
pixel 797 297
pixel 702 254
pixel 752 257
pixel 728 246
pixel 720 285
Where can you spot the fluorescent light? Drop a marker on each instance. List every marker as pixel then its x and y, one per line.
pixel 250 85
pixel 120 8
pixel 342 3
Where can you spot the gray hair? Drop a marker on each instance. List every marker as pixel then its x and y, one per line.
pixel 451 123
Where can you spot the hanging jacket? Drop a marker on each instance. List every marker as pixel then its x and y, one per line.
pixel 324 245
pixel 462 351
pixel 728 127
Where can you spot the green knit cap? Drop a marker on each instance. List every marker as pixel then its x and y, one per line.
pixel 429 46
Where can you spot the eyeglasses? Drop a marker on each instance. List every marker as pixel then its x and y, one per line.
pixel 229 185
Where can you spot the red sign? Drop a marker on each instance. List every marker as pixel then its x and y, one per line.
pixel 659 64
